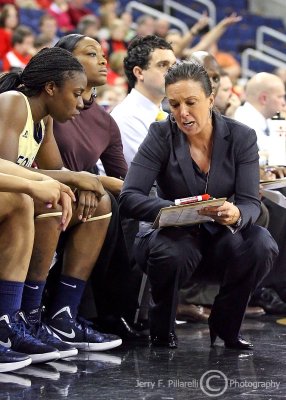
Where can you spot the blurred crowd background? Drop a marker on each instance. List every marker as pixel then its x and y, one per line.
pixel 245 37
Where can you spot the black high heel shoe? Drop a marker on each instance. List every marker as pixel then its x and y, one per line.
pixel 170 340
pixel 213 335
pixel 237 344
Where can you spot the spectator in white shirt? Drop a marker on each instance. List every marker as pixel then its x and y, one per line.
pixel 145 65
pixel 265 96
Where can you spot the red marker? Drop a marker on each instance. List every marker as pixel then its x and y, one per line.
pixel 194 199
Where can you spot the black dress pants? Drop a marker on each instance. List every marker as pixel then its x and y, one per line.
pixel 171 255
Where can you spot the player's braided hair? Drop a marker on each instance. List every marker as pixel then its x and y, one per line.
pixel 49 65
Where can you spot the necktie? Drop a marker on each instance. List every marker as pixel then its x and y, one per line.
pixel 266 130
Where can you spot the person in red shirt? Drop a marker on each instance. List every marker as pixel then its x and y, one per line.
pixel 44 4
pixel 77 10
pixel 117 42
pixel 22 50
pixel 115 73
pixel 8 22
pixel 59 10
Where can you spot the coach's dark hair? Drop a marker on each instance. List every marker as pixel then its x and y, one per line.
pixel 69 42
pixel 139 54
pixel 185 70
pixel 49 65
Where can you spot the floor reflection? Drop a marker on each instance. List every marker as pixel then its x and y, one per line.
pixel 193 371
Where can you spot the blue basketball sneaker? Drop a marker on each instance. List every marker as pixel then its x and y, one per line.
pixel 15 335
pixel 79 332
pixel 42 332
pixel 11 360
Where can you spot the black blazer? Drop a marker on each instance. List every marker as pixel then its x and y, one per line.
pixel 164 156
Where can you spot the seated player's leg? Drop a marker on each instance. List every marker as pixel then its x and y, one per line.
pixel 47 233
pixel 18 348
pixel 82 247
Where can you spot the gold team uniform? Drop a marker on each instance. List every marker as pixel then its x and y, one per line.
pixel 30 139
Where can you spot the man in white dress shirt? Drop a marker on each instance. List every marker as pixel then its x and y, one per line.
pixel 148 59
pixel 265 96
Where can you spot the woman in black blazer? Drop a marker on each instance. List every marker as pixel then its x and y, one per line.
pixel 197 151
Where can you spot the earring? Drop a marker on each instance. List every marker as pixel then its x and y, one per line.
pixel 210 112
pixel 172 118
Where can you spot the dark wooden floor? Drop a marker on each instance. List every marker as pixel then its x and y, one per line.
pixel 193 371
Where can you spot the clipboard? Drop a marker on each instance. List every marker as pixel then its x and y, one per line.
pixel 273 184
pixel 186 214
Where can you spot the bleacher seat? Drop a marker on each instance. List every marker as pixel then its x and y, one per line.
pixel 260 66
pixel 93 6
pixel 30 17
pixel 157 4
pixel 238 37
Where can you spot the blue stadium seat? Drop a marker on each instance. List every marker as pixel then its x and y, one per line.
pixel 93 6
pixel 260 66
pixel 235 4
pixel 238 37
pixel 30 17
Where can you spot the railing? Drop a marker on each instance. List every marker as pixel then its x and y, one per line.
pixel 135 5
pixel 247 54
pixel 262 46
pixel 211 9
